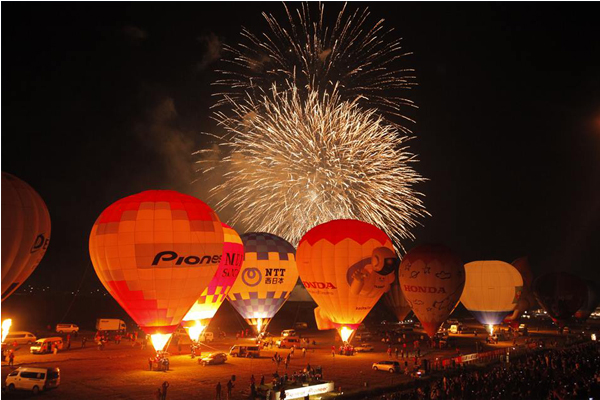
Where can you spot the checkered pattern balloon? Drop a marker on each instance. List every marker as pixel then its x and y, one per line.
pixel 266 279
pixel 156 252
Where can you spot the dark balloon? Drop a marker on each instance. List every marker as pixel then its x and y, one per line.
pixel 592 302
pixel 560 294
pixel 396 302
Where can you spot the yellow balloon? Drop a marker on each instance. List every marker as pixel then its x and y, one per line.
pixel 492 290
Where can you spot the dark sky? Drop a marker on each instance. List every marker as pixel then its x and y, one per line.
pixel 100 101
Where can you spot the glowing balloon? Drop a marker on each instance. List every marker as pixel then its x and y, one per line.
pixel 345 265
pixel 25 232
pixel 396 302
pixel 266 279
pixel 492 289
pixel 155 252
pixel 593 299
pixel 432 278
pixel 526 300
pixel 560 294
pixel 204 309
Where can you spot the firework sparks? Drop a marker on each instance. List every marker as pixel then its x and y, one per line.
pixel 299 163
pixel 358 59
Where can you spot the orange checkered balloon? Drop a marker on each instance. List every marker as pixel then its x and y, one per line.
pixel 156 252
pixel 25 232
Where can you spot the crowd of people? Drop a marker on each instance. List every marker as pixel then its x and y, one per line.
pixel 555 374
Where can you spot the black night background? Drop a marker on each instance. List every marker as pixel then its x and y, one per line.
pixel 104 100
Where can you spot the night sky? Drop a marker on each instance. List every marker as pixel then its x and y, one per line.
pixel 100 101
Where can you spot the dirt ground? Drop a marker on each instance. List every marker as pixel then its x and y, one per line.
pixel 121 371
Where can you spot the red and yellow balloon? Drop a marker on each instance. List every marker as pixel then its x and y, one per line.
pixel 25 232
pixel 346 266
pixel 156 252
pixel 205 308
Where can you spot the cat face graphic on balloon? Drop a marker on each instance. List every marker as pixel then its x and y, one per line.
pixel 372 276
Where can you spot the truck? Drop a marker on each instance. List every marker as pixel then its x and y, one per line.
pixel 109 324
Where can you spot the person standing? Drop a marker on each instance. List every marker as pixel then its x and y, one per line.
pixel 304 352
pixel 158 394
pixel 11 358
pixel 229 389
pixel 150 364
pixel 262 380
pixel 165 386
pixel 396 351
pixel 218 391
pixel 83 340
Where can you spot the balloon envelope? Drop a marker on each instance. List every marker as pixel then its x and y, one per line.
pixel 561 294
pixel 214 295
pixel 345 265
pixel 526 300
pixel 25 232
pixel 492 290
pixel 432 278
pixel 155 252
pixel 266 279
pixel 593 299
pixel 396 302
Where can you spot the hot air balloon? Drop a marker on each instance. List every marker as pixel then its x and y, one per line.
pixel 432 278
pixel 560 294
pixel 593 299
pixel 155 252
pixel 266 279
pixel 25 232
pixel 396 302
pixel 492 289
pixel 345 265
pixel 204 309
pixel 526 300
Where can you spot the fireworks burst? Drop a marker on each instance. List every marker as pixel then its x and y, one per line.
pixel 301 162
pixel 357 59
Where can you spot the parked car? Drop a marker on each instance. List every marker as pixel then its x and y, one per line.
pixel 34 379
pixel 390 366
pixel 21 337
pixel 44 345
pixel 67 328
pixel 288 342
pixel 245 351
pixel 213 359
pixel 288 332
pixel 363 348
pixel 453 321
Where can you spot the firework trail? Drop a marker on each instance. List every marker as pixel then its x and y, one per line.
pixel 358 59
pixel 304 161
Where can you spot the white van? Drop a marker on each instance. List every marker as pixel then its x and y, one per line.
pixel 67 328
pixel 288 332
pixel 20 338
pixel 206 337
pixel 34 379
pixel 288 342
pixel 45 345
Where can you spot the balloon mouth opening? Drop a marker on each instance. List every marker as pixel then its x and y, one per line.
pixel 491 329
pixel 346 334
pixel 195 331
pixel 6 328
pixel 160 340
